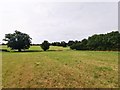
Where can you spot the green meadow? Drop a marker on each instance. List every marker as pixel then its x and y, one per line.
pixel 59 68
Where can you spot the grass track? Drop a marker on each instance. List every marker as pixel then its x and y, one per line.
pixel 60 67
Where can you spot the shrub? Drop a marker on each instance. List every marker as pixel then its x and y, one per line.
pixel 45 45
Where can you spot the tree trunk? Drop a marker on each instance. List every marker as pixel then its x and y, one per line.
pixel 19 50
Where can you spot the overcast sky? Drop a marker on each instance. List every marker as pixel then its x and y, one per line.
pixel 57 21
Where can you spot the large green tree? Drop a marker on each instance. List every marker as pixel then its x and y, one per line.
pixel 18 40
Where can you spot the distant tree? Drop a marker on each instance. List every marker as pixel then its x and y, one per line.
pixel 76 41
pixel 109 41
pixel 84 44
pixel 113 40
pixel 76 46
pixel 71 42
pixel 35 44
pixel 4 44
pixel 95 41
pixel 56 44
pixel 84 41
pixel 18 40
pixel 45 45
pixel 64 44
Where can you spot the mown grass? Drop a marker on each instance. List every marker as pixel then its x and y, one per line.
pixel 60 67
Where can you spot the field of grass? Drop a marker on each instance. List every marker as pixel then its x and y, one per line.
pixel 59 67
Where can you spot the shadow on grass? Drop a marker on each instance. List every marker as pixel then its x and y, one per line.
pixel 4 50
pixel 40 51
pixel 54 50
pixel 24 51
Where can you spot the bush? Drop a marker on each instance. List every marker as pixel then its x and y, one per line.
pixel 45 45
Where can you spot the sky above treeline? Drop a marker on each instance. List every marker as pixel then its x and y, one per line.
pixel 57 21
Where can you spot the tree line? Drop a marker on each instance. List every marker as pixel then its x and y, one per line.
pixel 109 41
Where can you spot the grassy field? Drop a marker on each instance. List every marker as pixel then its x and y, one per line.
pixel 59 67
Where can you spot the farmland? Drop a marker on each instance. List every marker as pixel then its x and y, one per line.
pixel 59 67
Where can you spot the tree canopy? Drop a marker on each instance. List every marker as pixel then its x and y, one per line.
pixel 18 40
pixel 109 41
pixel 45 45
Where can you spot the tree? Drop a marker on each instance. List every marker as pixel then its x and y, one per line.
pixel 56 43
pixel 45 45
pixel 71 42
pixel 109 41
pixel 76 46
pixel 18 40
pixel 64 44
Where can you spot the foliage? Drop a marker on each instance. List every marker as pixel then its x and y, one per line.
pixel 56 44
pixel 109 41
pixel 45 45
pixel 18 40
pixel 78 46
pixel 64 44
pixel 71 42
